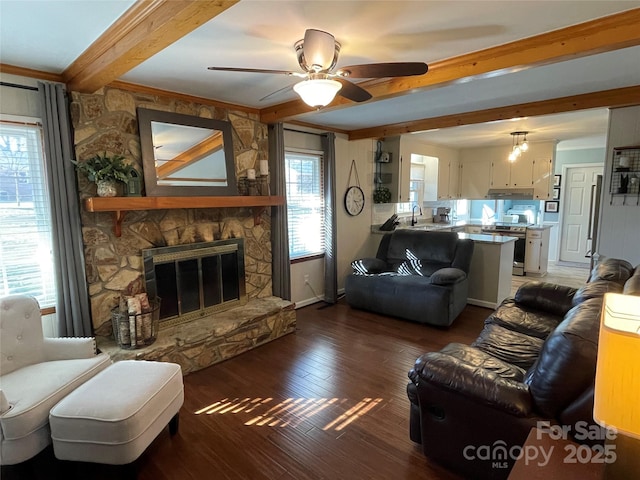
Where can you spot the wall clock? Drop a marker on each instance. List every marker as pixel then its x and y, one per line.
pixel 354 200
pixel 354 196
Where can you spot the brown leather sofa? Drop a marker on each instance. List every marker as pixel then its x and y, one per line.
pixel 472 406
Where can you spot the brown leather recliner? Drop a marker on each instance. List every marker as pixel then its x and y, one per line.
pixel 472 406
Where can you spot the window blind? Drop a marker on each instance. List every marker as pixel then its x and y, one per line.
pixel 26 259
pixel 305 204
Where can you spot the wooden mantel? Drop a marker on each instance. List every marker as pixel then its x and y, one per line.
pixel 120 205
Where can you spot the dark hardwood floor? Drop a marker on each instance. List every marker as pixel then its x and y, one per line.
pixel 327 402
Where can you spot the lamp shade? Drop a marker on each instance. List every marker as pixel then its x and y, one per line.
pixel 317 92
pixel 617 387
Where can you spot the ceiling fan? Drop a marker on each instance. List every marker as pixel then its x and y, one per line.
pixel 317 55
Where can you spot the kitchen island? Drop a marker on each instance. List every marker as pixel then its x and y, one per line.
pixel 491 264
pixel 491 267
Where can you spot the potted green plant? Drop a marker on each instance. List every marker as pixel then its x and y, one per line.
pixel 381 195
pixel 105 171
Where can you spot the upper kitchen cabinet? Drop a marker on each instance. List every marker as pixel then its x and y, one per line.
pixel 543 178
pixel 448 176
pixel 489 168
pixel 475 178
pixel 518 174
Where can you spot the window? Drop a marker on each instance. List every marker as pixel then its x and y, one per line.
pixel 305 203
pixel 26 261
pixel 416 184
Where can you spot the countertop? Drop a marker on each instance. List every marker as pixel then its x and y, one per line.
pixel 476 237
pixel 492 239
pixel 429 226
pixel 422 226
pixel 540 227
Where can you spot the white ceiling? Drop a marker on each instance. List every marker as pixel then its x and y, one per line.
pixel 49 35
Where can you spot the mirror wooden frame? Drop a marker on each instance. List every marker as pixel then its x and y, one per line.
pixel 152 189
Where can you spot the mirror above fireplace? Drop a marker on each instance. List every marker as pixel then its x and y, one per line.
pixel 185 155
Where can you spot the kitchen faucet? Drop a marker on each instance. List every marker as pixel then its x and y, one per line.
pixel 413 214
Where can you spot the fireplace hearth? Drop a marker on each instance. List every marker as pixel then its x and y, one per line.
pixel 195 280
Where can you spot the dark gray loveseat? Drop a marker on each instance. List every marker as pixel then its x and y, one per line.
pixel 416 275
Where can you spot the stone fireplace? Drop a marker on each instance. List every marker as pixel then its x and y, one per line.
pixel 195 280
pixel 106 121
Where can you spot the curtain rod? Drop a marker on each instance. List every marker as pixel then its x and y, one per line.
pixel 302 131
pixel 15 85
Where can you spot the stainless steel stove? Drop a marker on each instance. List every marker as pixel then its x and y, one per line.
pixel 518 230
pixel 515 228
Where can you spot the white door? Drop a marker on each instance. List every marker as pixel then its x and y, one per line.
pixel 577 187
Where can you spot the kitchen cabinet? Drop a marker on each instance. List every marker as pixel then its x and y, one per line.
pixel 536 256
pixel 475 229
pixel 518 174
pixel 475 179
pixel 448 171
pixel 543 178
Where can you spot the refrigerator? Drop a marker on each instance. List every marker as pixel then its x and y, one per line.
pixel 594 217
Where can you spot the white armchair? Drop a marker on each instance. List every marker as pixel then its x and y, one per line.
pixel 35 374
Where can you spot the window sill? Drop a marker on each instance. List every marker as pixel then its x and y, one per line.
pixel 307 258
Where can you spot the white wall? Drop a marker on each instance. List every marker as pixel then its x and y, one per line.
pixel 544 150
pixel 354 233
pixel 619 231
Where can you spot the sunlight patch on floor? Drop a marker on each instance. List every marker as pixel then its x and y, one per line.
pixel 291 411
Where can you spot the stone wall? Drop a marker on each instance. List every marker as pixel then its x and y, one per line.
pixel 201 343
pixel 107 122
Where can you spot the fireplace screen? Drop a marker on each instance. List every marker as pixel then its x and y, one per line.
pixel 196 279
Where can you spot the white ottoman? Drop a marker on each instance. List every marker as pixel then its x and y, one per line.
pixel 113 417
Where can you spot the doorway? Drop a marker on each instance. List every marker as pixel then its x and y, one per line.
pixel 576 210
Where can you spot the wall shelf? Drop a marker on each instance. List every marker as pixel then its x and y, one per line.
pixel 121 205
pixel 630 173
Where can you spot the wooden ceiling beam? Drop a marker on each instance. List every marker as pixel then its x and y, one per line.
pixel 208 146
pixel 30 72
pixel 596 36
pixel 619 97
pixel 145 29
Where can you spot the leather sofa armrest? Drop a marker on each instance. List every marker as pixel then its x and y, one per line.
pixel 369 266
pixel 447 276
pixel 548 297
pixel 68 348
pixel 477 383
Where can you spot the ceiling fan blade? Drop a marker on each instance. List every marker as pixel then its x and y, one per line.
pixel 253 70
pixel 277 92
pixel 352 91
pixel 382 70
pixel 319 50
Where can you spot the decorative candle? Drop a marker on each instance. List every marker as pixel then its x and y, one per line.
pixel 251 174
pixel 264 167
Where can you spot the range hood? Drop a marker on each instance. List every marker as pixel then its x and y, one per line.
pixel 511 193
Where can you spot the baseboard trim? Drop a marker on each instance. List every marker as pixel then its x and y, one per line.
pixel 308 301
pixel 481 303
pixel 562 263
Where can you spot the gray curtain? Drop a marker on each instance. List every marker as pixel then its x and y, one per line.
pixel 281 276
pixel 72 308
pixel 330 254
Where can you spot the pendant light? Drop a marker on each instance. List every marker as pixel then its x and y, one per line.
pixel 517 146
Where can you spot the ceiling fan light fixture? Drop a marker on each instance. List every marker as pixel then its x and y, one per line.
pixel 318 92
